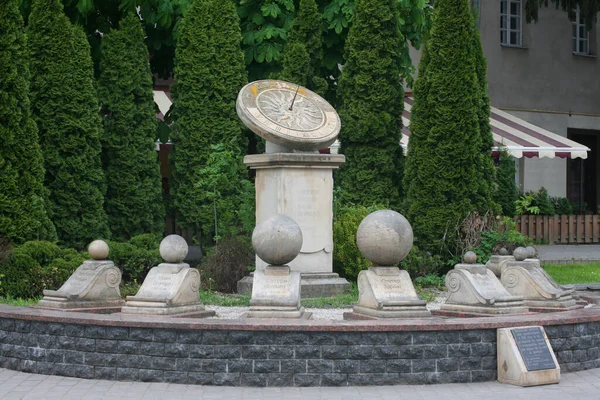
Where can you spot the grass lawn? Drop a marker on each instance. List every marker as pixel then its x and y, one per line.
pixel 574 273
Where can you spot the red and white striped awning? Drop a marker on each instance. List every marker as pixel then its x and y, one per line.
pixel 519 137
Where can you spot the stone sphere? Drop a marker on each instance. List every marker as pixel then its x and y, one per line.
pixel 470 257
pixel 503 251
pixel 277 240
pixel 173 249
pixel 530 251
pixel 384 237
pixel 520 253
pixel 98 250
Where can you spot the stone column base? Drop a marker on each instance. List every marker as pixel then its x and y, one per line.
pixel 155 308
pixel 277 312
pixel 312 285
pixel 408 311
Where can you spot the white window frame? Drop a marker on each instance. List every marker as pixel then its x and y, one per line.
pixel 578 26
pixel 507 17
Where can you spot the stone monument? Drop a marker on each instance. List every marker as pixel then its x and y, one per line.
pixel 531 257
pixel 93 287
pixel 276 289
pixel 171 288
pixel 474 289
pixel 539 291
pixel 292 177
pixel 385 238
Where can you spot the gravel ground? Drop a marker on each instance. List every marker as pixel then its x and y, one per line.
pixel 318 313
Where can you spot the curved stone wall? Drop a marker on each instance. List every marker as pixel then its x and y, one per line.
pixel 278 352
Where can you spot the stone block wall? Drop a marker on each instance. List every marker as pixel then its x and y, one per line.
pixel 272 358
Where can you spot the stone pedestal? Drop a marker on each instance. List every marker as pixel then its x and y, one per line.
pixel 387 292
pixel 474 289
pixel 276 294
pixel 578 300
pixel 93 286
pixel 526 279
pixel 167 290
pixel 300 186
pixel 497 263
pixel 171 288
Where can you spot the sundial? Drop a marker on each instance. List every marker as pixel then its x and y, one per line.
pixel 288 115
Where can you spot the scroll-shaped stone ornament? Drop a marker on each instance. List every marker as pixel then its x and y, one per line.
pixel 94 286
pixel 171 288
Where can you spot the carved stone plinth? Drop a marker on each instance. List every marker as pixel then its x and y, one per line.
pixel 387 292
pixel 526 279
pixel 578 300
pixel 168 289
pixel 300 186
pixel 473 288
pixel 94 285
pixel 276 294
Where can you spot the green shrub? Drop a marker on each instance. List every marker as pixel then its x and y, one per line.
pixel 562 206
pixel 347 260
pixel 420 263
pixel 35 266
pixel 506 192
pixel 543 201
pixel 503 235
pixel 227 263
pixel 133 261
pixel 146 241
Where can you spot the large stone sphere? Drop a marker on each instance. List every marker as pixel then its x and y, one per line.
pixel 98 250
pixel 277 240
pixel 530 251
pixel 173 249
pixel 520 253
pixel 384 237
pixel 470 257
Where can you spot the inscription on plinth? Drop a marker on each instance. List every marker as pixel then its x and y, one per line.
pixel 525 357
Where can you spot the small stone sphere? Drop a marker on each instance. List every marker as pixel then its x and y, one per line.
pixel 173 249
pixel 384 237
pixel 503 251
pixel 98 250
pixel 277 240
pixel 470 257
pixel 520 253
pixel 530 251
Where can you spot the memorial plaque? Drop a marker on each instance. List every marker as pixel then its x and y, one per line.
pixel 533 348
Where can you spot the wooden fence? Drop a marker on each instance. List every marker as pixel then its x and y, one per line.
pixel 560 229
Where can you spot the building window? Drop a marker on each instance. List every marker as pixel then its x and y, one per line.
pixel 510 22
pixel 581 36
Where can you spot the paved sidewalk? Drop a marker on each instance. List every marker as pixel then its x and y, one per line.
pixel 563 253
pixel 20 385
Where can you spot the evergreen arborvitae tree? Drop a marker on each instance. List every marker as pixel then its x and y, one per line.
pixel 506 188
pixel 134 202
pixel 65 107
pixel 485 167
pixel 445 145
pixel 23 198
pixel 209 72
pixel 304 49
pixel 371 93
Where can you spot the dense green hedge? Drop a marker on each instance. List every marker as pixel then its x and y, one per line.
pixel 371 94
pixel 23 199
pixel 446 154
pixel 506 191
pixel 209 72
pixel 65 106
pixel 134 203
pixel 303 53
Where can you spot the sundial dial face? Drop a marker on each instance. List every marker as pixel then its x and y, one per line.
pixel 288 115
